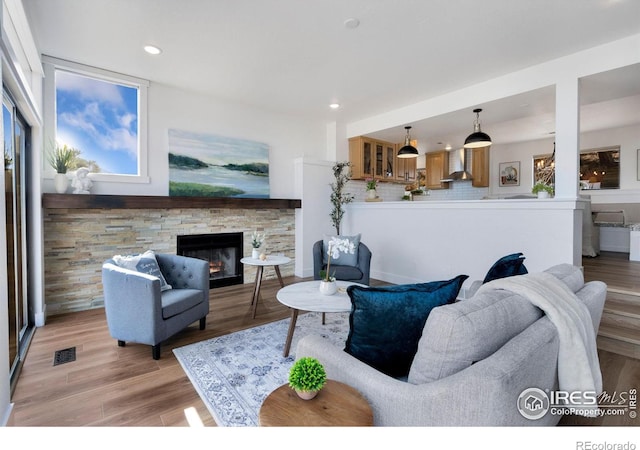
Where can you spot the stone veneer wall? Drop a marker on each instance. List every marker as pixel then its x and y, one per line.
pixel 78 241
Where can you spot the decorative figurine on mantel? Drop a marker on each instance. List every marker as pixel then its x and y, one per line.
pixel 82 183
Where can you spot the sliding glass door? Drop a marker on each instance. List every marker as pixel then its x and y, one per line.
pixel 16 139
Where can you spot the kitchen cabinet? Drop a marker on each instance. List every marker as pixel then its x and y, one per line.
pixel 406 169
pixel 372 159
pixel 361 158
pixel 436 168
pixel 480 167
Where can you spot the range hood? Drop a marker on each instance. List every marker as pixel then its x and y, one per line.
pixel 460 172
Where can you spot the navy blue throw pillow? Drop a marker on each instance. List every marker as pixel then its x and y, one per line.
pixel 507 266
pixel 386 322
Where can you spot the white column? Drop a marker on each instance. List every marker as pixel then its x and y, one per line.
pixel 567 137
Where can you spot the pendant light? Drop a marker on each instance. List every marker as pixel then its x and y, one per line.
pixel 408 151
pixel 477 138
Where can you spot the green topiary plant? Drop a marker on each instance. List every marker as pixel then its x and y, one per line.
pixel 307 375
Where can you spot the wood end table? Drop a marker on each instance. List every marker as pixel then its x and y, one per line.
pixel 337 404
pixel 271 260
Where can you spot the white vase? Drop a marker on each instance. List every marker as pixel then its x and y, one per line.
pixel 543 194
pixel 61 183
pixel 328 287
pixel 255 253
pixel 371 194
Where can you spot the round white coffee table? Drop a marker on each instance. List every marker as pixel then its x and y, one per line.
pixel 306 296
pixel 271 260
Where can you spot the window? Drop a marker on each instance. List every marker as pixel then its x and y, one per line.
pixel 99 114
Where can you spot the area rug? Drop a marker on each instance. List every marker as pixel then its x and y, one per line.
pixel 234 373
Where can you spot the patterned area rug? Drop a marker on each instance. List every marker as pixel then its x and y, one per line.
pixel 234 373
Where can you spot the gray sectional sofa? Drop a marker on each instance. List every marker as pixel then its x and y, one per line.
pixel 474 359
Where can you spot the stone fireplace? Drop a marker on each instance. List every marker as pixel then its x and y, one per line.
pixel 82 231
pixel 222 250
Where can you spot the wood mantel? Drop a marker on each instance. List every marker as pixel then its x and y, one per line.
pixel 90 201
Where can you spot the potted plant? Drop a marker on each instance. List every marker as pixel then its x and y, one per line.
pixel 307 376
pixel 342 174
pixel 257 240
pixel 336 245
pixel 371 188
pixel 61 159
pixel 542 190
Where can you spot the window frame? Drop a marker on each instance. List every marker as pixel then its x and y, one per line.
pixel 51 65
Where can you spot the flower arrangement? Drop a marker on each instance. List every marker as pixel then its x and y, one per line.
pixel 307 375
pixel 257 239
pixel 371 184
pixel 336 245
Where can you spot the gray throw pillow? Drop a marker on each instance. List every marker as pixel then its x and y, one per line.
pixel 143 263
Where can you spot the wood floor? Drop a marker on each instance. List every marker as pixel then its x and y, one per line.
pixel 109 385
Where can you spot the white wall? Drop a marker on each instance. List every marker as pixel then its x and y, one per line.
pixel 426 241
pixel 288 138
pixel 313 180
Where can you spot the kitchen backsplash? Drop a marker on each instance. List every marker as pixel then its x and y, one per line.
pixel 391 192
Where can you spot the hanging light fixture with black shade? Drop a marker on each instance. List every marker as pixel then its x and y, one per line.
pixel 477 138
pixel 408 150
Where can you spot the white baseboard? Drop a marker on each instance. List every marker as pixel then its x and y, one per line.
pixel 5 418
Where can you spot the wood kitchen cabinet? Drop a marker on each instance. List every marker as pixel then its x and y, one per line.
pixel 372 159
pixel 406 169
pixel 480 167
pixel 436 168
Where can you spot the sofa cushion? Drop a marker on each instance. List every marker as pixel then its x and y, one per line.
pixel 344 259
pixel 385 323
pixel 177 301
pixel 144 263
pixel 346 273
pixel 507 266
pixel 458 335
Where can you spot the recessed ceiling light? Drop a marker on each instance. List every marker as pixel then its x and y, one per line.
pixel 351 23
pixel 334 105
pixel 152 49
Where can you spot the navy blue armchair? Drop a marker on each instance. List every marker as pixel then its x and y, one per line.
pixel 358 273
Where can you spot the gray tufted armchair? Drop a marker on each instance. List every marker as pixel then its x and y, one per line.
pixel 138 311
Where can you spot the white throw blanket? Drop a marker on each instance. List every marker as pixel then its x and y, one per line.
pixel 578 364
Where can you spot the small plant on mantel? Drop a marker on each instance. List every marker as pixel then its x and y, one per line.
pixel 307 376
pixel 61 158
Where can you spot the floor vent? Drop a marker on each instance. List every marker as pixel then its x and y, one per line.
pixel 64 356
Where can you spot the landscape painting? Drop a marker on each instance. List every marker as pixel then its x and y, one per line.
pixel 207 165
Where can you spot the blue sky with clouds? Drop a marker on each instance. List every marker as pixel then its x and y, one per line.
pixel 100 119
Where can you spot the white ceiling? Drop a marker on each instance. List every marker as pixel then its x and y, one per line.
pixel 296 56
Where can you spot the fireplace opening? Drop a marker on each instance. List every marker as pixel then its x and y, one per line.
pixel 222 250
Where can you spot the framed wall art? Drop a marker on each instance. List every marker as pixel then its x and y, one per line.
pixel 208 165
pixel 510 173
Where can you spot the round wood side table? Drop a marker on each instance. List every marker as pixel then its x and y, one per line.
pixel 337 404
